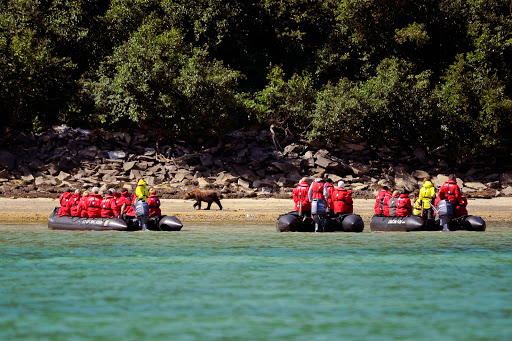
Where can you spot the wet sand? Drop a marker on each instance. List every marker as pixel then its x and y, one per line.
pixel 37 210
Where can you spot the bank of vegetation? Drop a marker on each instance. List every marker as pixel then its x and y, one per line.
pixel 416 73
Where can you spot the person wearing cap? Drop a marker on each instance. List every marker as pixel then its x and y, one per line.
pixel 108 204
pixel 403 204
pixel 154 204
pixel 342 199
pixel 93 204
pixel 318 196
pixel 300 197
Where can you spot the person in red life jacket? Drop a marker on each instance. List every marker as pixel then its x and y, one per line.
pixel 126 200
pixel 330 189
pixel 93 203
pixel 301 198
pixel 381 201
pixel 108 204
pixel 73 203
pixel 318 197
pixel 342 199
pixel 461 207
pixel 82 205
pixel 154 204
pixel 403 205
pixel 450 191
pixel 63 200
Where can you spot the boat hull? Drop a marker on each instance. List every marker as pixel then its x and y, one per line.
pixel 292 222
pixel 159 223
pixel 85 224
pixel 415 223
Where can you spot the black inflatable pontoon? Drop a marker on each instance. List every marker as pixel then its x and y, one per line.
pixel 415 223
pixel 160 223
pixel 292 222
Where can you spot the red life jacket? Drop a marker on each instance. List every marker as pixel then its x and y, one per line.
pixel 403 206
pixel 94 205
pixel 154 205
pixel 82 207
pixel 317 190
pixel 379 202
pixel 342 201
pixel 330 189
pixel 125 198
pixel 73 204
pixel 461 208
pixel 107 206
pixel 300 194
pixel 63 200
pixel 450 191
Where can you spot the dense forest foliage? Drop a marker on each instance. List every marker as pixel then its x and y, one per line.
pixel 416 73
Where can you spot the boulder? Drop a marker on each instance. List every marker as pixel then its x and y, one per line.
pixel 128 165
pixel 360 169
pixel 507 191
pixel 116 154
pixel 7 160
pixel 405 180
pixel 244 183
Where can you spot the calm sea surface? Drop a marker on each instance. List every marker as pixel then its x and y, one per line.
pixel 248 282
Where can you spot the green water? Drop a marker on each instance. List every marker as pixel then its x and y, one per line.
pixel 248 282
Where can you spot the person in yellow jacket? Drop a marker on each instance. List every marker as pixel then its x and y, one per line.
pixel 416 209
pixel 142 192
pixel 427 196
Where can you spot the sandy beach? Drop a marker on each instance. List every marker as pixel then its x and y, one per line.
pixel 37 210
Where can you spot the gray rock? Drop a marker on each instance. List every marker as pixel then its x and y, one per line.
pixel 475 185
pixel 420 174
pixel 421 155
pixel 360 169
pixel 405 180
pixel 287 165
pixel 128 165
pixel 506 178
pixel 7 160
pixel 64 176
pixel 245 172
pixel 258 154
pixel 206 159
pixel 116 154
pixel 507 191
pixel 244 183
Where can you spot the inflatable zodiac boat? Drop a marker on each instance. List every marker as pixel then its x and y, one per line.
pixel 159 223
pixel 415 223
pixel 292 222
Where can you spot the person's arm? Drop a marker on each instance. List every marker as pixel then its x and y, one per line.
pixel 310 193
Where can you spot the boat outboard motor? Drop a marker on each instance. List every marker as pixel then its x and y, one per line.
pixel 142 213
pixel 445 213
pixel 318 213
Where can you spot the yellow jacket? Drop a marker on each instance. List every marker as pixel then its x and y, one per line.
pixel 427 192
pixel 142 191
pixel 416 210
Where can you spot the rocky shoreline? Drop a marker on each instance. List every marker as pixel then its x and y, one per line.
pixel 244 164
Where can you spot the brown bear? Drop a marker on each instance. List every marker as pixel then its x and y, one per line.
pixel 207 196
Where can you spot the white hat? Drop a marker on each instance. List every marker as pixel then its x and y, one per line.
pixel 95 190
pixel 341 184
